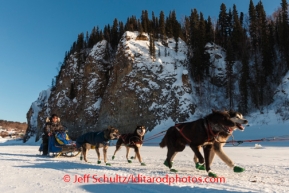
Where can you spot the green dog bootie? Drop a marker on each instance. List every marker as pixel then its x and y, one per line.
pixel 131 157
pixel 98 162
pixel 200 166
pixel 142 164
pixel 113 157
pixel 129 161
pixel 212 175
pixel 174 170
pixel 167 164
pixel 108 164
pixel 238 169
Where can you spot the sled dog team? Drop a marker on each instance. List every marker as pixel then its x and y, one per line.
pixel 209 133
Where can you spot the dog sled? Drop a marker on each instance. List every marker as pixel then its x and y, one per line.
pixel 59 144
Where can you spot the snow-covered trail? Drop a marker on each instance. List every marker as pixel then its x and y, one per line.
pixel 22 170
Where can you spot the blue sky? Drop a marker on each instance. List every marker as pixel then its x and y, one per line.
pixel 34 35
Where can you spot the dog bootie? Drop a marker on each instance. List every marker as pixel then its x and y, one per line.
pixel 200 166
pixel 238 169
pixel 108 164
pixel 113 157
pixel 173 170
pixel 98 162
pixel 142 164
pixel 129 161
pixel 212 175
pixel 167 164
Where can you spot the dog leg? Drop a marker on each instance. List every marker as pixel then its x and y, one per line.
pixel 98 155
pixel 211 157
pixel 105 155
pixel 117 147
pixel 127 152
pixel 170 157
pixel 84 151
pixel 136 149
pixel 198 158
pixel 218 148
pixel 207 151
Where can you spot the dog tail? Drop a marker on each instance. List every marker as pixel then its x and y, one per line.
pixel 163 143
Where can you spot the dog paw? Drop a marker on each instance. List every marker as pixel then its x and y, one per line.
pixel 238 169
pixel 98 162
pixel 200 166
pixel 108 164
pixel 113 157
pixel 132 157
pixel 142 164
pixel 129 161
pixel 173 170
pixel 213 175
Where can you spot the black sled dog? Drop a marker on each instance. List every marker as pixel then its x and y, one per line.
pixel 98 140
pixel 132 140
pixel 195 134
pixel 221 140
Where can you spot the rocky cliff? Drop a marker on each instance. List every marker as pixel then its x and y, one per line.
pixel 126 88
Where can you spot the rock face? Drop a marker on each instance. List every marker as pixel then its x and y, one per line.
pixel 33 115
pixel 132 89
pixel 144 90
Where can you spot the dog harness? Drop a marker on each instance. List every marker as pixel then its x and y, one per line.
pixel 92 138
pixel 181 132
pixel 131 140
pixel 208 131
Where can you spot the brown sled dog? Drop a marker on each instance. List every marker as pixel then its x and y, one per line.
pixel 221 140
pixel 132 140
pixel 98 139
pixel 196 133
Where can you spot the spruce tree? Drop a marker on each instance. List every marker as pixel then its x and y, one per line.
pixel 162 29
pixel 194 26
pixel 222 26
pixel 169 26
pixel 176 29
pixel 152 49
pixel 284 31
pixel 253 25
pixel 209 30
pixel 114 34
pixel 244 82
pixel 145 21
pixel 237 34
pixel 229 73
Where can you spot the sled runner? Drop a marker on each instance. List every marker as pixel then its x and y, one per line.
pixel 59 144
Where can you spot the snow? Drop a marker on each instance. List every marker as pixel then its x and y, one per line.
pixel 23 169
pixel 37 106
pixel 263 153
